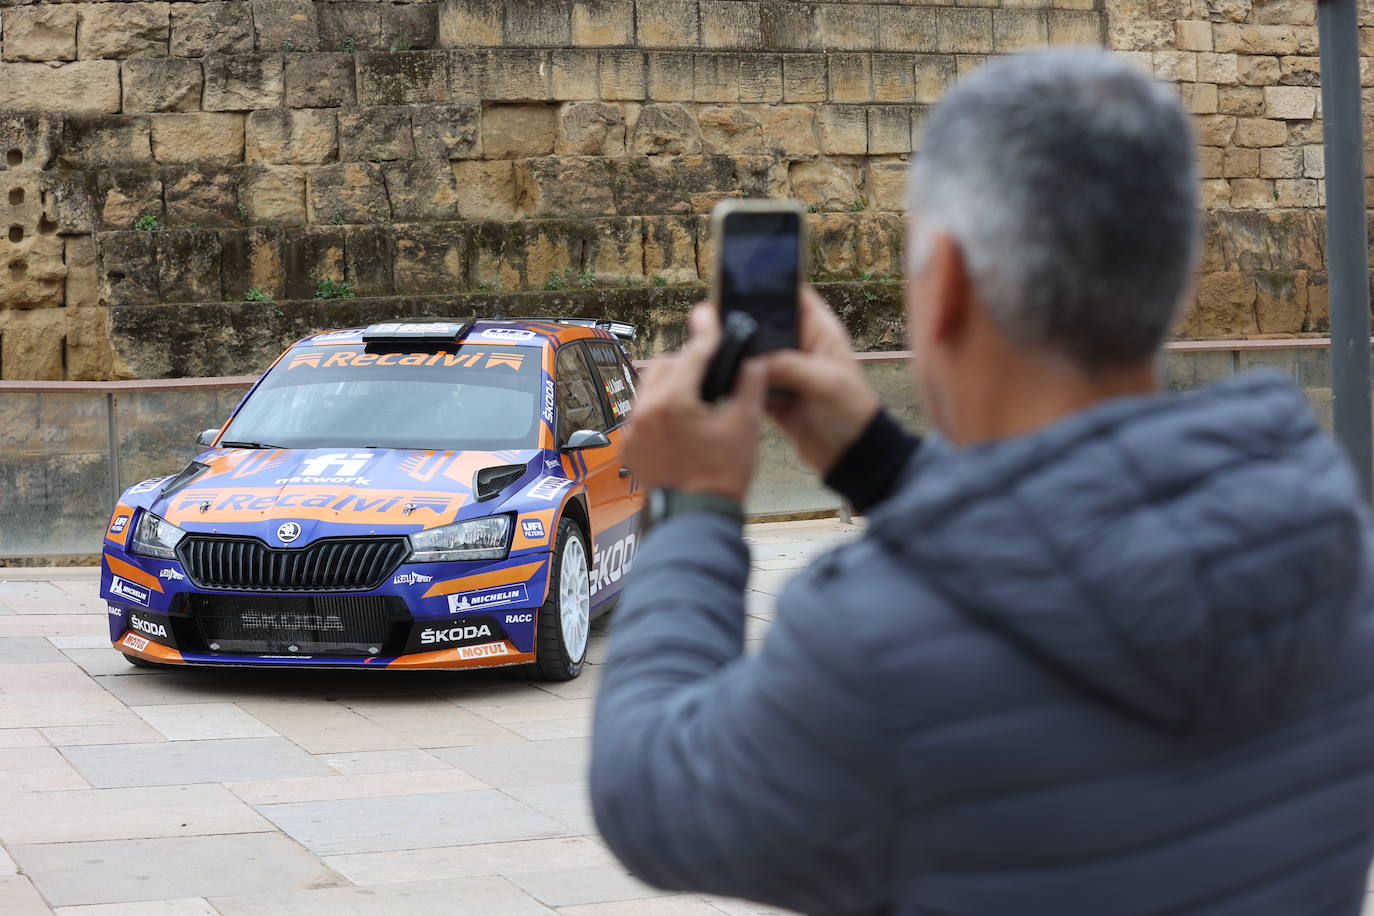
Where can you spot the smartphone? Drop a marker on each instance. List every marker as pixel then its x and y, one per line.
pixel 759 267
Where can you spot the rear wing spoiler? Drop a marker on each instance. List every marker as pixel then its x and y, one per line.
pixel 621 329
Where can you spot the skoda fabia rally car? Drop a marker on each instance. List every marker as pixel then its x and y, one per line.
pixel 408 495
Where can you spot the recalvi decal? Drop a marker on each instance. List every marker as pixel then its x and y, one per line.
pixel 333 504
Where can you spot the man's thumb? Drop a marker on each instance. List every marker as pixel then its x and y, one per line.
pixel 794 369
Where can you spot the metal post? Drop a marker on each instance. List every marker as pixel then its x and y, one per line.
pixel 112 430
pixel 1347 232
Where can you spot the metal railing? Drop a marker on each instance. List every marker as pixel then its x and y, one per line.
pixel 68 449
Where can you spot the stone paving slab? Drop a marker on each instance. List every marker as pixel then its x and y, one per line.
pixel 127 791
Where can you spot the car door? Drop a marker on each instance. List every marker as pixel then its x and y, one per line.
pixel 615 548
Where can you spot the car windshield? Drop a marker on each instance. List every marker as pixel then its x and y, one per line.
pixel 471 397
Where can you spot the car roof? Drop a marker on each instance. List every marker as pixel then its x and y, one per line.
pixel 544 332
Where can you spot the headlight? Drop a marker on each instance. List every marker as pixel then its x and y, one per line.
pixel 156 537
pixel 479 539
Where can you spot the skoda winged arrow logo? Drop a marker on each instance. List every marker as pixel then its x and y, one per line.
pixel 288 532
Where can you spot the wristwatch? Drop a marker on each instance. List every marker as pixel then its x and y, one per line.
pixel 665 503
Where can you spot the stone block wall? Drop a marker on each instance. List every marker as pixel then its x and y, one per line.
pixel 161 163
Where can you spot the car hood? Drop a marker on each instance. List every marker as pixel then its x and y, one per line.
pixel 328 491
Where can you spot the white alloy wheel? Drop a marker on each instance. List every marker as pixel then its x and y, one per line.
pixel 574 599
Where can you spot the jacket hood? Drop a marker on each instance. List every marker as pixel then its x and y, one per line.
pixel 248 491
pixel 1193 560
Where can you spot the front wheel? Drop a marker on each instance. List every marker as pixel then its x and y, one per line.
pixel 565 618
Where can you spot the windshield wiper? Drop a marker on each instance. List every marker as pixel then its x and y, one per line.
pixel 248 445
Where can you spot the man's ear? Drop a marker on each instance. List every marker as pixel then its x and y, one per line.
pixel 951 290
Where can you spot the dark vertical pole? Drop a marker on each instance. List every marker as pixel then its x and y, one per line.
pixel 1347 232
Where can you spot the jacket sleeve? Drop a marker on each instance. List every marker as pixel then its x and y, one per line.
pixel 768 777
pixel 870 470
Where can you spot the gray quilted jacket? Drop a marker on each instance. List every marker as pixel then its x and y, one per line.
pixel 1123 666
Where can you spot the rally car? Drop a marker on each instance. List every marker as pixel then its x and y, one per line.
pixel 414 494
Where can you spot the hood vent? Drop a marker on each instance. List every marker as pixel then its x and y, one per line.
pixel 491 481
pixel 188 474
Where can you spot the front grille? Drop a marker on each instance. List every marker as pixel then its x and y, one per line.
pixel 239 563
pixel 349 625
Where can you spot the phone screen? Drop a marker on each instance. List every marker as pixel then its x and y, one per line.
pixel 760 272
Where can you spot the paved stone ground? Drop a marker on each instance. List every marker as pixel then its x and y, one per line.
pixel 124 790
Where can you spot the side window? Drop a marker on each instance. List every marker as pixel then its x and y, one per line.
pixel 579 406
pixel 616 380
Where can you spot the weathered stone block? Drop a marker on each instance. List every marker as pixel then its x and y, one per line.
pixel 1256 132
pixel 471 23
pixel 1303 70
pixel 1150 35
pixel 104 140
pixel 934 75
pixel 1256 70
pixel 29 140
pixel 486 189
pixel 1290 103
pixel 1296 192
pixel 613 251
pixel 789 130
pixel 664 128
pixel 314 254
pixel 730 130
pixel 760 78
pixel 789 26
pixel 122 196
pixel 847 28
pixel 622 76
pixel 715 77
pixel 411 77
pixel 538 23
pixel 80 86
pixel 1222 69
pixel 285 25
pixel 429 257
pixel 730 24
pixel 885 186
pixel 1226 303
pixel 879 243
pixel 670 249
pixel 1175 66
pixel 573 73
pixel 350 27
pixel 88 353
pixel 908 28
pixel 669 184
pixel 32 343
pixel 32 274
pixel 209 137
pixel 413 26
pixel 850 78
pixel 1017 30
pixel 590 129
pixel 273 194
pixel 804 78
pixel 1240 163
pixel 518 131
pixel 352 192
pixel 253 259
pixel 1253 193
pixel 824 184
pixel 41 33
pixel 197 199
pixel 165 84
pixel 368 253
pixel 243 83
pixel 1200 98
pixel 376 134
pixel 319 80
pixel 566 187
pixel 421 189
pixel 843 129
pixel 66 202
pixel 128 268
pixel 201 29
pixel 1073 27
pixel 893 78
pixel 281 135
pixel 1193 36
pixel 889 130
pixel 1214 194
pixel 1247 101
pixel 667 24
pixel 1265 39
pixel 1314 161
pixel 965 31
pixel 670 76
pixel 834 244
pixel 447 131
pixel 509 75
pixel 124 30
pixel 602 23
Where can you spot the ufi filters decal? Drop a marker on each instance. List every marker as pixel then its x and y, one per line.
pixel 488 597
pixel 123 588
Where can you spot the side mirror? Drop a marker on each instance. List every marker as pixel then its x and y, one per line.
pixel 586 438
pixel 207 436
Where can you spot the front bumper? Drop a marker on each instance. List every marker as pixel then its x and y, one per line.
pixel 473 614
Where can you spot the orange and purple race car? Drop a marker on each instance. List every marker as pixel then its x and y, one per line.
pixel 415 494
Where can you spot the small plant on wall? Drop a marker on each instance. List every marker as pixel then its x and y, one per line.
pixel 329 288
pixel 148 223
pixel 256 295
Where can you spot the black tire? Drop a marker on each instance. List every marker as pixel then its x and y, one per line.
pixel 553 661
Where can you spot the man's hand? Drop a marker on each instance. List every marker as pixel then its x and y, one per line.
pixel 675 439
pixel 834 402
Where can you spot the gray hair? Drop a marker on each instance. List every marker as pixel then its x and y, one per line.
pixel 1068 181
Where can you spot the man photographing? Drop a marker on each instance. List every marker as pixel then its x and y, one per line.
pixel 1100 651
